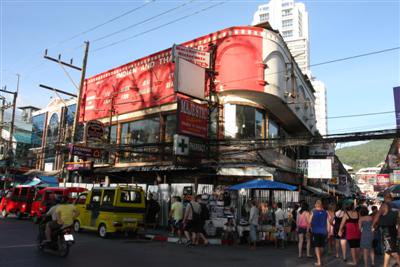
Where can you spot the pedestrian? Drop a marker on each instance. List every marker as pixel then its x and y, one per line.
pixel 340 242
pixel 176 215
pixel 280 218
pixel 204 216
pixel 152 210
pixel 319 229
pixel 303 229
pixel 377 242
pixel 293 223
pixel 191 221
pixel 387 219
pixel 331 235
pixel 353 233
pixel 367 236
pixel 253 221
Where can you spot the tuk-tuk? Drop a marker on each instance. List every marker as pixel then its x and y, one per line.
pixel 45 198
pixel 18 201
pixel 111 209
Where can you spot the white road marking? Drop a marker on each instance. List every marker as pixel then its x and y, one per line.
pixel 19 246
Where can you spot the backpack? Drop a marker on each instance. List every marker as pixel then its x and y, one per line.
pixel 204 213
pixel 195 216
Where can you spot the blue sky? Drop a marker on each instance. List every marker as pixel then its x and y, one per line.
pixel 337 29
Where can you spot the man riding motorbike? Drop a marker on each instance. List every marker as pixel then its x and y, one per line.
pixel 63 215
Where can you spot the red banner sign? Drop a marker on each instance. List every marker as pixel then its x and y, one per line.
pixel 148 82
pixel 192 118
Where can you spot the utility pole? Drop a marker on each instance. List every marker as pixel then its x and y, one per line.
pixel 79 95
pixel 11 130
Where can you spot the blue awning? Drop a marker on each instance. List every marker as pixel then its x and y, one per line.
pixel 44 181
pixel 263 184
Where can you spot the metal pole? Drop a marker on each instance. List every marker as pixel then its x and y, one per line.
pixel 78 102
pixel 14 105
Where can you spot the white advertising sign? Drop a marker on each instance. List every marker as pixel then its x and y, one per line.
pixel 319 169
pixel 195 56
pixel 189 79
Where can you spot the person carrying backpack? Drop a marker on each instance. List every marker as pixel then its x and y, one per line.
pixel 204 216
pixel 191 221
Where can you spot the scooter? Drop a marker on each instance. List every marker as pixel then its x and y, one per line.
pixel 61 239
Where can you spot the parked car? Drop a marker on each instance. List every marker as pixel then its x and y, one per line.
pixel 109 210
pixel 45 198
pixel 18 201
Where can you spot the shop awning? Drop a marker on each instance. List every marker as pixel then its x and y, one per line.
pixel 316 191
pixel 44 181
pixel 41 173
pixel 263 184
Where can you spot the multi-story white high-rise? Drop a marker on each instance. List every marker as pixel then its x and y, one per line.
pixel 321 106
pixel 291 19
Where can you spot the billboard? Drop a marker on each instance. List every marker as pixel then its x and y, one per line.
pixel 149 81
pixel 200 58
pixel 396 95
pixel 315 168
pixel 395 177
pixel 325 150
pixel 192 118
pixel 189 79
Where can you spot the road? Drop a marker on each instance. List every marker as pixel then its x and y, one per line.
pixel 18 248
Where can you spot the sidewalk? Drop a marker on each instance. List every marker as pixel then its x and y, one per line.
pixel 161 235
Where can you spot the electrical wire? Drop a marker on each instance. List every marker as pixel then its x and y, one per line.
pixel 108 21
pixel 360 115
pixel 159 26
pixel 142 21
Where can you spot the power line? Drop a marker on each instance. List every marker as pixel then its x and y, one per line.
pixel 160 26
pixel 108 21
pixel 321 63
pixel 356 56
pixel 360 115
pixel 142 22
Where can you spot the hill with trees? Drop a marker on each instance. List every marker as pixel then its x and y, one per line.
pixel 369 154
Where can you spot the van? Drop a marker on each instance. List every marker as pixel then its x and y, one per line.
pixel 108 210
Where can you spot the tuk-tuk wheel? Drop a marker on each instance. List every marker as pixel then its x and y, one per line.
pixel 77 226
pixel 4 213
pixel 102 231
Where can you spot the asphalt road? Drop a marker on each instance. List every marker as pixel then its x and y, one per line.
pixel 18 248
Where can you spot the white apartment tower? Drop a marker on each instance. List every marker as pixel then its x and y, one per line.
pixel 291 19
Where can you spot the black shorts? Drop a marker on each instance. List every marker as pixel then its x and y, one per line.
pixel 354 243
pixel 177 224
pixel 54 225
pixel 318 240
pixel 302 231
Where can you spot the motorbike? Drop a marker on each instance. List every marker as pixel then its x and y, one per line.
pixel 61 239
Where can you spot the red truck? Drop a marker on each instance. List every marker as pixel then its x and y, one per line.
pixel 18 201
pixel 45 198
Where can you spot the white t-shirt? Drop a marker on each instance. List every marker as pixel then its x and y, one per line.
pixel 52 212
pixel 253 216
pixel 279 216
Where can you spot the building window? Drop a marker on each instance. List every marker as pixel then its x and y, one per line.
pixel 286 4
pixel 286 12
pixel 113 135
pixel 170 128
pixel 286 34
pixel 145 131
pixel 287 23
pixel 264 17
pixel 37 130
pixel 243 122
pixel 273 129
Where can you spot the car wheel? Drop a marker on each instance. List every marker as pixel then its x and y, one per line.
pixel 102 231
pixel 19 215
pixel 77 226
pixel 4 213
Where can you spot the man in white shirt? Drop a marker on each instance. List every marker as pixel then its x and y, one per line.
pixel 253 221
pixel 280 217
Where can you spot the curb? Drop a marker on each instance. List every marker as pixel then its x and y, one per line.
pixel 161 238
